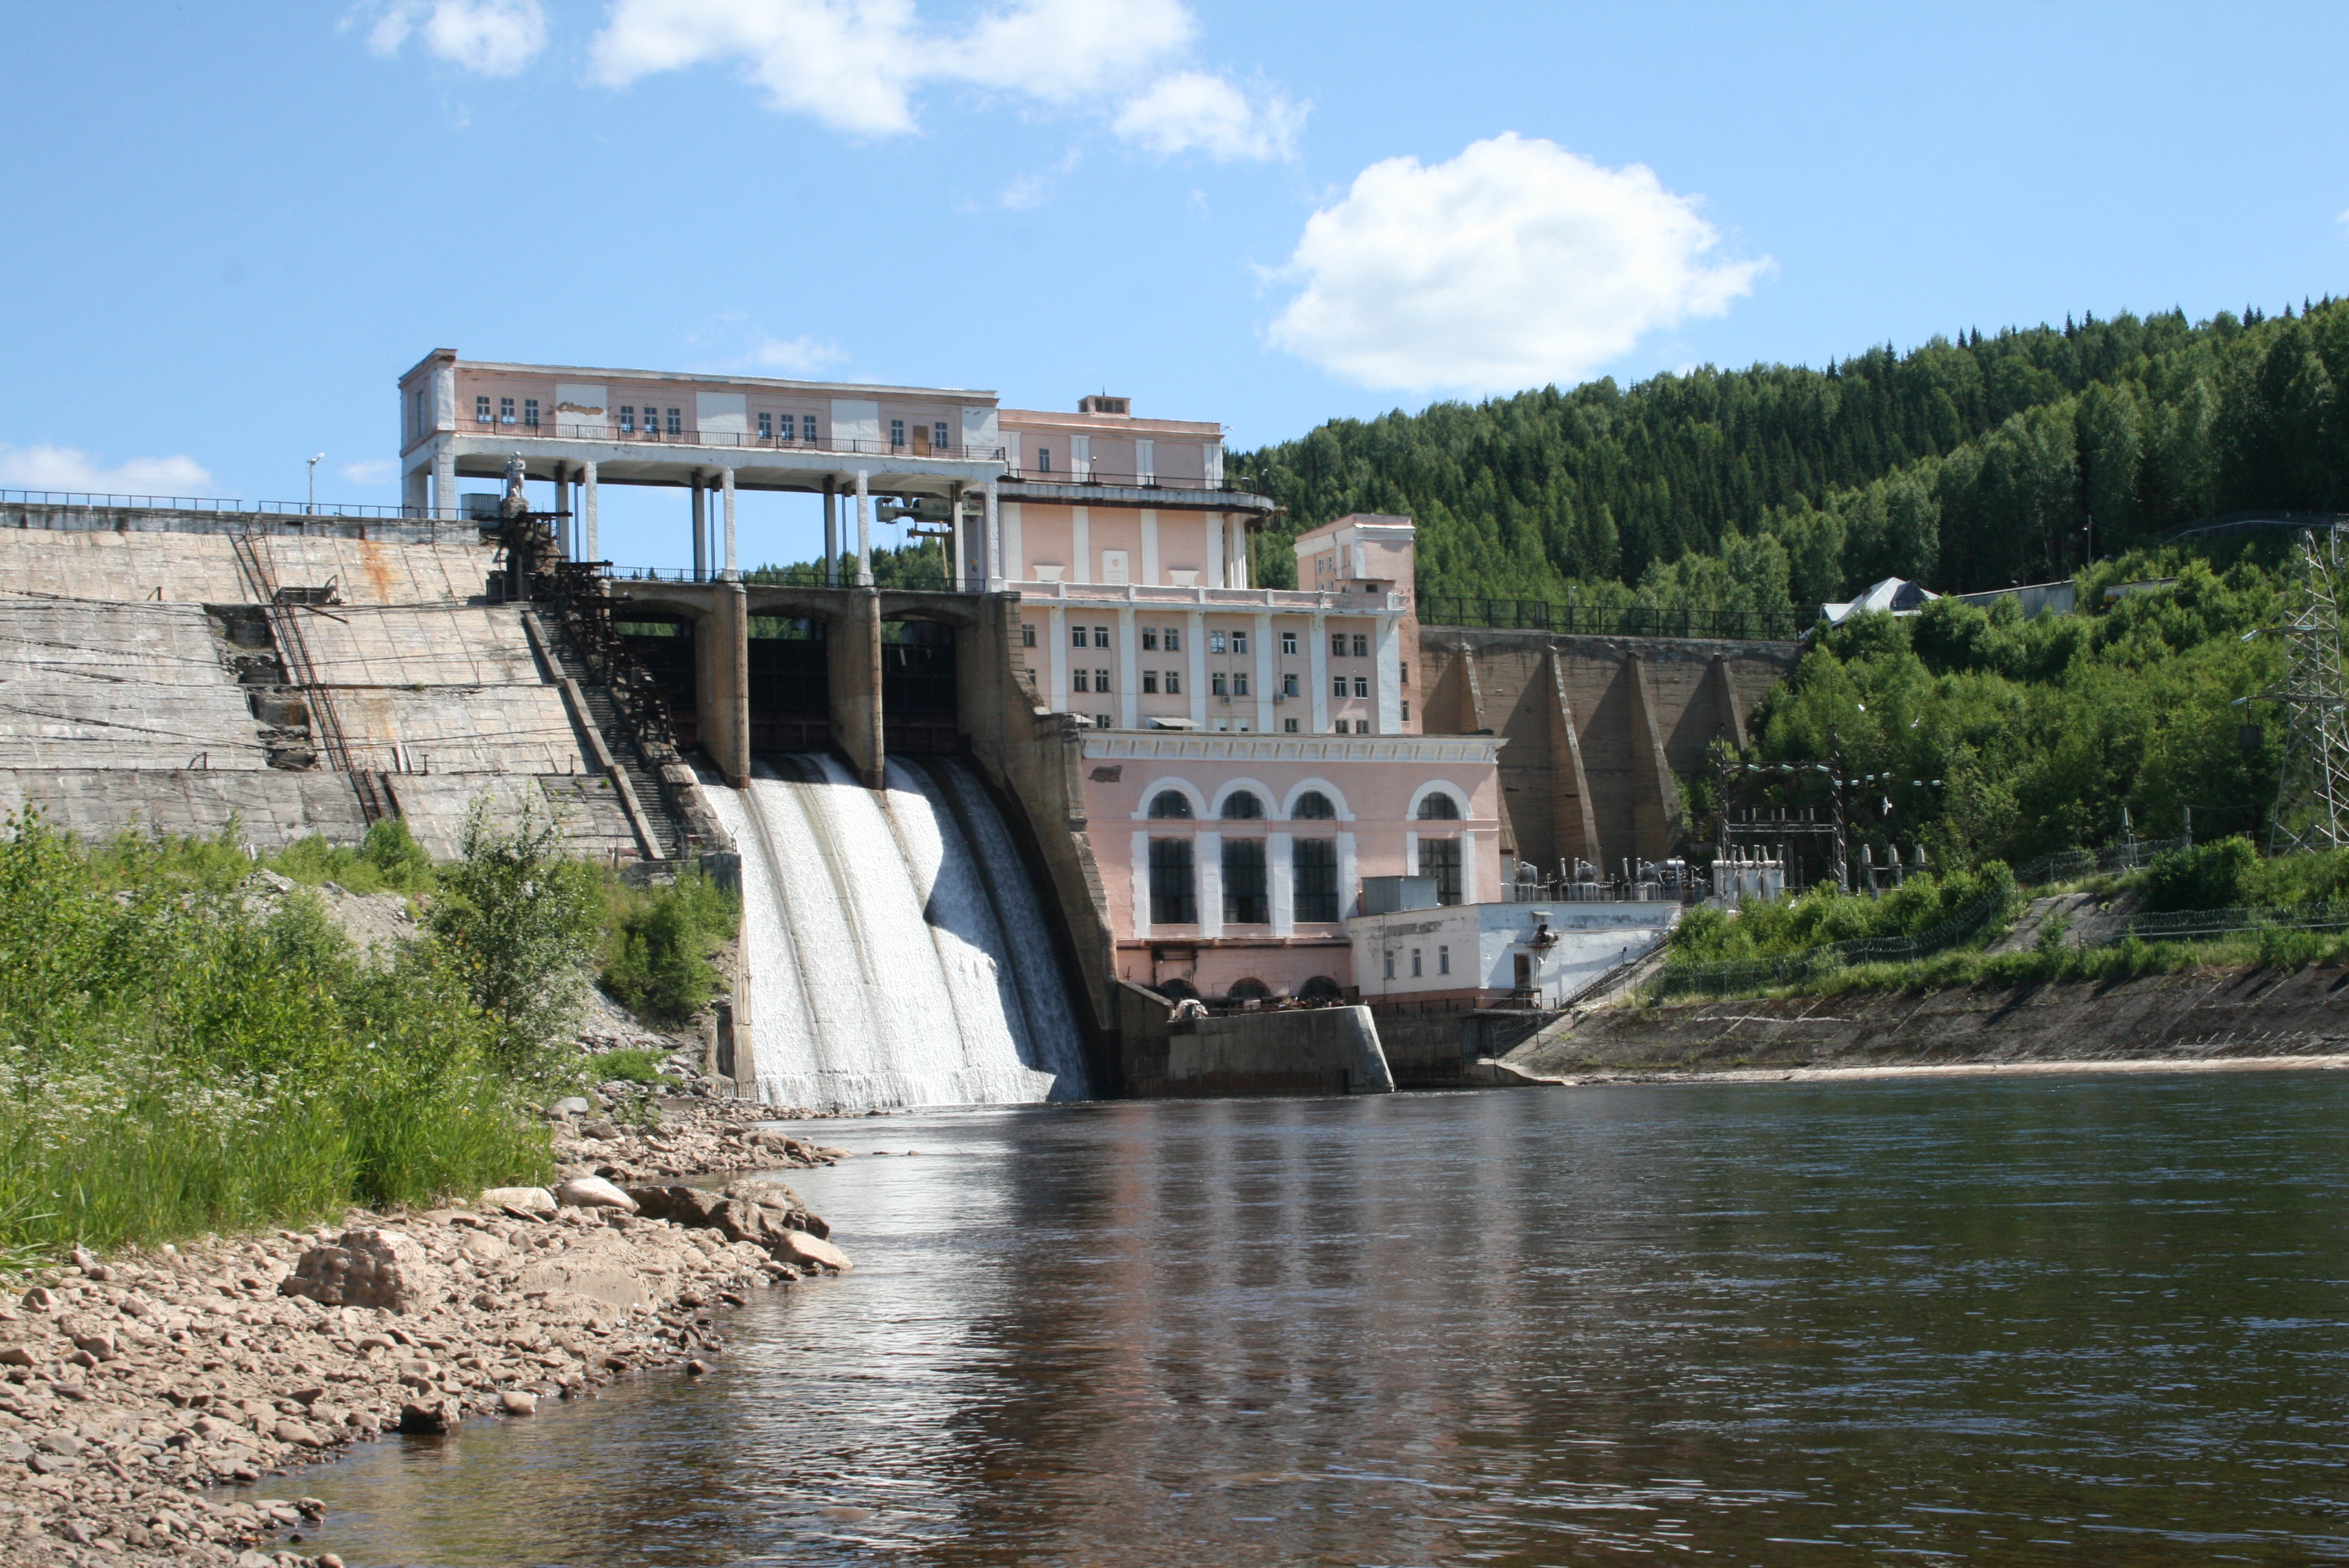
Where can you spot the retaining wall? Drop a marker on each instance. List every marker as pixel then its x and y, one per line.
pixel 1303 1050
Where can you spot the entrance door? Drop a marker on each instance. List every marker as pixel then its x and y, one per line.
pixel 1525 972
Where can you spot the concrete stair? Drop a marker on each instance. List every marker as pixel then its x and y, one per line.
pixel 650 793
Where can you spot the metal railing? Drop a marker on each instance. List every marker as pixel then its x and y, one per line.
pixel 1755 973
pixel 208 504
pixel 2187 923
pixel 803 576
pixel 1096 475
pixel 1629 621
pixel 735 440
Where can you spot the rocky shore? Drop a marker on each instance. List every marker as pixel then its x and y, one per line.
pixel 131 1388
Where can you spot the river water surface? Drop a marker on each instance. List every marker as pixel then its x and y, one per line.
pixel 2091 1320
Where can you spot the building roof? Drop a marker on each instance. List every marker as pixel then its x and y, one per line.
pixel 1894 596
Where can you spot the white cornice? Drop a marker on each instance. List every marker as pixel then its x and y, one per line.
pixel 1230 747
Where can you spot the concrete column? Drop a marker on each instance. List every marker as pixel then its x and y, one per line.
pixel 1015 553
pixel 1655 793
pixel 1319 664
pixel 1149 547
pixel 864 530
pixel 1574 826
pixel 1056 695
pixel 588 505
pixel 1194 632
pixel 725 691
pixel 1208 850
pixel 1219 555
pixel 1267 673
pixel 1388 682
pixel 855 679
pixel 994 539
pixel 1236 564
pixel 831 533
pixel 727 480
pixel 701 530
pixel 1281 871
pixel 416 491
pixel 958 543
pixel 1349 903
pixel 1129 677
pixel 444 482
pixel 567 539
pixel 1081 544
pixel 1141 873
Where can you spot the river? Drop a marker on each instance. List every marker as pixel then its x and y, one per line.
pixel 2099 1319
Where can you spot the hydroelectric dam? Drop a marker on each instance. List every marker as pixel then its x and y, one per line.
pixel 1078 808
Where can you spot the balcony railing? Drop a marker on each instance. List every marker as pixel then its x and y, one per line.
pixel 741 440
pixel 1097 476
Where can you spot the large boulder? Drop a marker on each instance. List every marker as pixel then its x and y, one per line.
pixel 370 1267
pixel 766 1214
pixel 536 1201
pixel 593 1192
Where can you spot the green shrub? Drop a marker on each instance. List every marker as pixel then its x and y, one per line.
pixel 633 1065
pixel 2206 876
pixel 516 924
pixel 658 956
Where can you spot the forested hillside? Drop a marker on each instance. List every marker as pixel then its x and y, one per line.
pixel 1964 465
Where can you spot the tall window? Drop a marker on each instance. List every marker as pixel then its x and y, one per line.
pixel 1077 681
pixel 1077 636
pixel 1314 880
pixel 1101 680
pixel 481 410
pixel 1287 642
pixel 1171 805
pixel 530 413
pixel 1338 644
pixel 1101 636
pixel 1150 683
pixel 1218 683
pixel 1440 859
pixel 1173 897
pixel 1217 641
pixel 505 412
pixel 628 419
pixel 896 432
pixel 1043 460
pixel 1150 638
pixel 1240 642
pixel 1439 807
pixel 1336 685
pixel 1244 900
pixel 1314 807
pixel 1239 683
pixel 1361 686
pixel 1173 683
pixel 676 425
pixel 1361 646
pixel 1028 634
pixel 1174 639
pixel 1288 684
pixel 766 427
pixel 938 437
pixel 1242 806
pixel 807 429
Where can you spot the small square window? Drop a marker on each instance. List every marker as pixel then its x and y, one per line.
pixel 1337 644
pixel 676 425
pixel 1150 638
pixel 505 412
pixel 1361 646
pixel 1173 683
pixel 1150 683
pixel 896 432
pixel 1288 726
pixel 807 429
pixel 766 427
pixel 530 413
pixel 1215 642
pixel 1104 721
pixel 1101 636
pixel 1174 639
pixel 1240 642
pixel 481 410
pixel 1287 642
pixel 1361 727
pixel 1027 633
pixel 1080 681
pixel 1077 637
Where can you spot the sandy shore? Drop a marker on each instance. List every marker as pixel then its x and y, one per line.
pixel 1957 1070
pixel 135 1386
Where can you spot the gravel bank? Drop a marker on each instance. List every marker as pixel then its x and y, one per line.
pixel 131 1388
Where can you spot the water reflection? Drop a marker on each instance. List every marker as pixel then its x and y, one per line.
pixel 2095 1321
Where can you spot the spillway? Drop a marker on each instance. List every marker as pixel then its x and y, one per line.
pixel 897 951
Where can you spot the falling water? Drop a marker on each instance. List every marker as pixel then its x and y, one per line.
pixel 897 952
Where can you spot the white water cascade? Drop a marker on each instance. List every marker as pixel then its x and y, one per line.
pixel 897 953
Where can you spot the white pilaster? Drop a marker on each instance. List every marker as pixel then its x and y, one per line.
pixel 1149 545
pixel 994 539
pixel 1467 866
pixel 444 481
pixel 587 499
pixel 1390 651
pixel 1129 677
pixel 1319 664
pixel 864 530
pixel 1081 544
pixel 1266 674
pixel 1411 855
pixel 1195 637
pixel 1349 903
pixel 1057 698
pixel 728 481
pixel 1279 868
pixel 1141 884
pixel 1216 550
pixel 1015 549
pixel 701 530
pixel 1209 849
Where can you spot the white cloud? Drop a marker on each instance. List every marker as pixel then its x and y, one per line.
pixel 854 65
pixel 69 468
pixel 801 356
pixel 374 471
pixel 488 37
pixel 1193 109
pixel 1515 263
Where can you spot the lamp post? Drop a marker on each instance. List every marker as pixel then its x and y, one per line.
pixel 311 511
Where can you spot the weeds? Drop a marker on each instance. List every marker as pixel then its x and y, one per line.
pixel 656 959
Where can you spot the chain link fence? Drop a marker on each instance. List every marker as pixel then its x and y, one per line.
pixel 2072 865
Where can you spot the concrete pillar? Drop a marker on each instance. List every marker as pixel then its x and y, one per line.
pixel 723 691
pixel 1655 793
pixel 566 538
pixel 1218 553
pixel 864 530
pixel 1056 694
pixel 994 539
pixel 1267 673
pixel 1319 664
pixel 1280 883
pixel 416 492
pixel 957 544
pixel 1574 824
pixel 444 482
pixel 855 680
pixel 1208 850
pixel 701 530
pixel 831 533
pixel 1129 675
pixel 727 480
pixel 1195 631
pixel 588 505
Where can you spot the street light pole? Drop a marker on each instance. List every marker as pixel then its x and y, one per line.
pixel 311 511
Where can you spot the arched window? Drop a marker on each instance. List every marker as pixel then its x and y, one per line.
pixel 1314 807
pixel 1320 988
pixel 1242 806
pixel 1439 807
pixel 1249 990
pixel 1170 803
pixel 1175 990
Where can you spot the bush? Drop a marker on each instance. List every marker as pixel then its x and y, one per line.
pixel 516 924
pixel 2206 876
pixel 631 1065
pixel 657 957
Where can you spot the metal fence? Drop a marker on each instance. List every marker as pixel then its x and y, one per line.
pixel 1717 979
pixel 1634 621
pixel 2071 865
pixel 2188 922
pixel 213 504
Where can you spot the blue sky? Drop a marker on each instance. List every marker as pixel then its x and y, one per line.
pixel 234 226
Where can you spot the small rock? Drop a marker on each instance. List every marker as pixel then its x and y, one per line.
pixel 327 1559
pixel 593 1192
pixel 525 1199
pixel 518 1402
pixel 429 1417
pixel 697 1367
pixel 84 1259
pixel 370 1267
pixel 301 1434
pixel 573 1106
pixel 799 1247
pixel 41 1298
pixel 19 1355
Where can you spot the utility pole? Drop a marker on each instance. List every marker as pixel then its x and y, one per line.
pixel 2312 806
pixel 1835 785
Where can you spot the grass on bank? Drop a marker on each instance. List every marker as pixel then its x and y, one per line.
pixel 178 1056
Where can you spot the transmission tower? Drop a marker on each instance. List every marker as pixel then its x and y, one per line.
pixel 2311 809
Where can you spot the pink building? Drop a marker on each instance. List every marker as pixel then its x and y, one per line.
pixel 1250 754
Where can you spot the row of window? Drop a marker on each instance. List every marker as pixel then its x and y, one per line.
pixel 1174 881
pixel 655 419
pixel 806 424
pixel 505 414
pixel 1169 639
pixel 1243 805
pixel 935 435
pixel 1443 961
pixel 652 420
